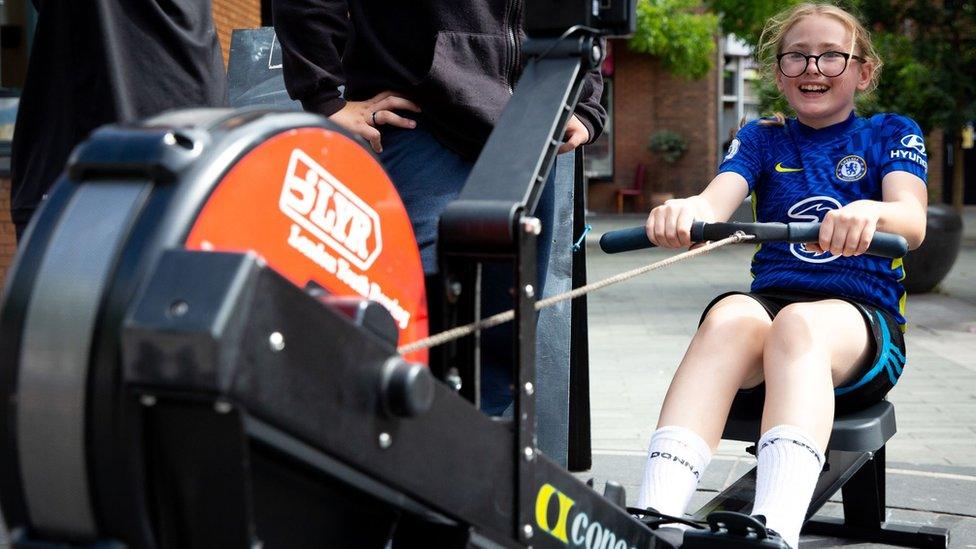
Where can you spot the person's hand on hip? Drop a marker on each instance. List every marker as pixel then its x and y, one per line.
pixel 363 118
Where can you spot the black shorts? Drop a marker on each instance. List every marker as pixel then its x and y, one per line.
pixel 871 381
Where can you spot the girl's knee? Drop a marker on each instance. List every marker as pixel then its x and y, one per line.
pixel 798 329
pixel 736 313
pixel 738 321
pixel 821 322
pixel 797 317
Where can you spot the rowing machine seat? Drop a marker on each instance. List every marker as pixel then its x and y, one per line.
pixel 863 430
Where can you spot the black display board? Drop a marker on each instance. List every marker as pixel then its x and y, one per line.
pixel 254 74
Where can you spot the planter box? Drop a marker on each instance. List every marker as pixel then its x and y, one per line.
pixel 932 261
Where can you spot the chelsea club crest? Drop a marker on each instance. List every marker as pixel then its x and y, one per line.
pixel 851 168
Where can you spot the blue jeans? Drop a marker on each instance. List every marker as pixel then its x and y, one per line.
pixel 428 177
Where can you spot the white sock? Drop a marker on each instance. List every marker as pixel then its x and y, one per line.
pixel 676 459
pixel 789 466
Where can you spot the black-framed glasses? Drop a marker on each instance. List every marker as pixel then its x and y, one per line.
pixel 830 63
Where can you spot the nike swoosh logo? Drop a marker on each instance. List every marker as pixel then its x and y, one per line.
pixel 781 169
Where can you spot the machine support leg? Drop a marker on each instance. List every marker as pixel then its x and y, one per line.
pixel 526 288
pixel 863 491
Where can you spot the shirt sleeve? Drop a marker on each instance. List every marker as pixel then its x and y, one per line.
pixel 589 110
pixel 903 148
pixel 312 34
pixel 744 156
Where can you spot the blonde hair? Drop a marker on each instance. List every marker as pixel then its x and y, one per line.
pixel 771 40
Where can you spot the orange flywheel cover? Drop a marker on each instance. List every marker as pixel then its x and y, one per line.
pixel 319 209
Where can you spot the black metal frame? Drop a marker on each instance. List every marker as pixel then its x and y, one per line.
pixel 580 450
pixel 490 220
pixel 201 378
pixel 862 485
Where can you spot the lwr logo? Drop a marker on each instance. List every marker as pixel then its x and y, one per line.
pixel 812 209
pixel 315 200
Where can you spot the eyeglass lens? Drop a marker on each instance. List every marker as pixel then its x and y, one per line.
pixel 829 63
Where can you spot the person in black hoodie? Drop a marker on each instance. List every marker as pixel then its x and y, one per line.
pixel 457 62
pixel 425 81
pixel 105 61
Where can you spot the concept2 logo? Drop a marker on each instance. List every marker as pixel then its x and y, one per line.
pixel 314 199
pixel 581 531
pixel 812 209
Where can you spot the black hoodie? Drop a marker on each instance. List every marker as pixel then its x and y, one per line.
pixel 457 59
pixel 105 61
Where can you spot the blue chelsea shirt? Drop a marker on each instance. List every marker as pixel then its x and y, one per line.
pixel 798 173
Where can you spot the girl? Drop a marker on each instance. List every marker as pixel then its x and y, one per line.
pixel 821 328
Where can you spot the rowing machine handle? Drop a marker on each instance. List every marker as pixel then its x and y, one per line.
pixel 882 244
pixel 635 238
pixel 625 240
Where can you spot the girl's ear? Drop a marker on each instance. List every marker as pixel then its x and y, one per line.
pixel 864 75
pixel 779 78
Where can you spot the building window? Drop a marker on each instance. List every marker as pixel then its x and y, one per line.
pixel 599 154
pixel 739 98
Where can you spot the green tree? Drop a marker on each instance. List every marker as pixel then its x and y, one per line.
pixel 746 18
pixel 679 32
pixel 929 50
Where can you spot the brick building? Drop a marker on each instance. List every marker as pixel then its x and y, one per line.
pixel 644 98
pixel 238 14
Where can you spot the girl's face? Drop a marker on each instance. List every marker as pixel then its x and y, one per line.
pixel 818 100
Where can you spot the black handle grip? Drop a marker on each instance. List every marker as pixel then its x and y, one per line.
pixel 882 244
pixel 888 245
pixel 635 238
pixel 625 240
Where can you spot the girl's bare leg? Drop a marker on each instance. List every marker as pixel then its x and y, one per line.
pixel 724 356
pixel 810 349
pixel 725 353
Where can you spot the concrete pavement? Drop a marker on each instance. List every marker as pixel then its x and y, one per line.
pixel 640 328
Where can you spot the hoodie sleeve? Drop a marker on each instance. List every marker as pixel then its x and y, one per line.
pixel 312 34
pixel 589 110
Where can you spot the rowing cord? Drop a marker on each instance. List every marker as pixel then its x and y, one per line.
pixel 501 318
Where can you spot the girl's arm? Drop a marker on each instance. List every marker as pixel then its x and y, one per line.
pixel 848 231
pixel 669 225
